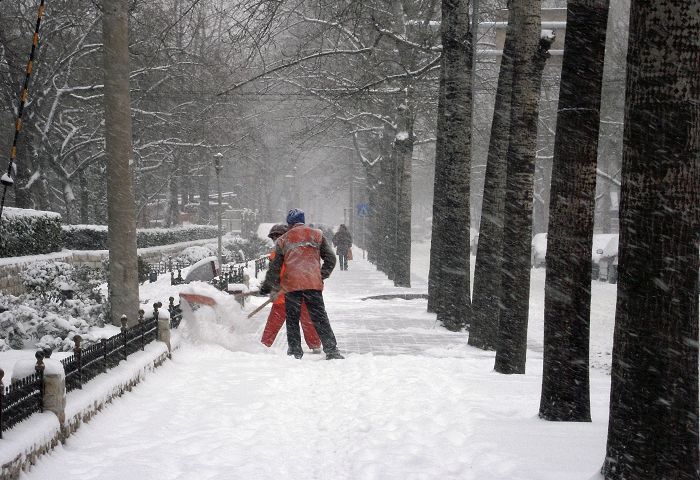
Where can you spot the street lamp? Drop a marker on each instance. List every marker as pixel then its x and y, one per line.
pixel 217 168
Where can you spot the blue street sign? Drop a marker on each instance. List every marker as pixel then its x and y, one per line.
pixel 363 210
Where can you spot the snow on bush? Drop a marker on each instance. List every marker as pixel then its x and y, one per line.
pixel 234 249
pixel 29 232
pixel 195 253
pixel 94 237
pixel 45 316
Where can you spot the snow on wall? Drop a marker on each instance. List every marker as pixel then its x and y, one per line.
pixel 40 433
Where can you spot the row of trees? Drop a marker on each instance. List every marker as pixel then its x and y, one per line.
pixel 653 430
pixel 380 80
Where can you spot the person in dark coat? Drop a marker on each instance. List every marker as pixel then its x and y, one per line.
pixel 342 241
pixel 308 260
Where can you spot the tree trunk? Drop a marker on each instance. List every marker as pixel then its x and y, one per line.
pixel 403 153
pixel 204 210
pixel 437 251
pixel 172 215
pixel 486 298
pixel 84 198
pixel 653 428
pixel 457 50
pixel 567 301
pixel 529 59
pixel 123 280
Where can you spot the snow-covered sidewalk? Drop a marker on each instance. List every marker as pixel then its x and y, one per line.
pixel 411 401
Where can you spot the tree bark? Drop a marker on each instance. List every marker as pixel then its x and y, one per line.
pixel 84 198
pixel 437 255
pixel 403 153
pixel 486 298
pixel 204 209
pixel 529 59
pixel 565 381
pixel 457 50
pixel 653 428
pixel 123 279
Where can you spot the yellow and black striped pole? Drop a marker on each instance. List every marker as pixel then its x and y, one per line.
pixel 6 179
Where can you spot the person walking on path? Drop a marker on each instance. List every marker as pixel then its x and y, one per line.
pixel 278 313
pixel 342 241
pixel 301 250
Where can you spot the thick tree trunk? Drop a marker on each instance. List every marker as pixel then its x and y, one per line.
pixel 486 298
pixel 457 50
pixel 403 153
pixel 653 428
pixel 123 279
pixel 437 251
pixel 529 59
pixel 385 221
pixel 567 301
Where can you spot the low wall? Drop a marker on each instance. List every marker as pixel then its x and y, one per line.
pixel 10 268
pixel 26 442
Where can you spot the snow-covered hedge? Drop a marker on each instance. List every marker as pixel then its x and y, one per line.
pixel 94 237
pixel 233 249
pixel 29 232
pixel 45 316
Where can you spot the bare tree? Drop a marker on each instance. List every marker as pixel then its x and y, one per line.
pixel 486 298
pixel 653 427
pixel 457 42
pixel 565 382
pixel 529 58
pixel 123 270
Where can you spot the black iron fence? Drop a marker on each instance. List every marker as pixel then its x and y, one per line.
pixel 86 364
pixel 260 265
pixel 25 396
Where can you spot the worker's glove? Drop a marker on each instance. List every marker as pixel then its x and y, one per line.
pixel 265 289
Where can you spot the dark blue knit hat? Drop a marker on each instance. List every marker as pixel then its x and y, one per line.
pixel 295 215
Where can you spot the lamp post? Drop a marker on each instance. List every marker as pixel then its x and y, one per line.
pixel 217 168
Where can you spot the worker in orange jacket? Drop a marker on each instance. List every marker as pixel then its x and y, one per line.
pixel 278 313
pixel 301 250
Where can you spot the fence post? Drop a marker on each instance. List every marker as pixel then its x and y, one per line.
pixel 77 351
pixel 124 334
pixel 163 323
pixel 40 373
pixel 143 329
pixel 53 386
pixel 2 397
pixel 103 343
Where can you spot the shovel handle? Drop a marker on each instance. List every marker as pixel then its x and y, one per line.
pixel 267 302
pixel 260 307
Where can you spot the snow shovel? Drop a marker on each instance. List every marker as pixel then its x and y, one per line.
pixel 267 302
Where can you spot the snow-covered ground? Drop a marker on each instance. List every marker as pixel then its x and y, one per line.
pixel 410 401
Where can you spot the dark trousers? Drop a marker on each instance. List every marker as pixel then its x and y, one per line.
pixel 317 312
pixel 343 259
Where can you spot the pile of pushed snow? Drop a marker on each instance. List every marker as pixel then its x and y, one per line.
pixel 223 323
pixel 263 230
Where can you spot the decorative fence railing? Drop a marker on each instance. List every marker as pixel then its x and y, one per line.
pixel 86 364
pixel 25 396
pixel 234 271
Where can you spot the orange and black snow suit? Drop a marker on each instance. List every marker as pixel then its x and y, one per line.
pixel 301 250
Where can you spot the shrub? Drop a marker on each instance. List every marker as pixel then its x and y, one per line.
pixel 29 232
pixel 44 317
pixel 94 237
